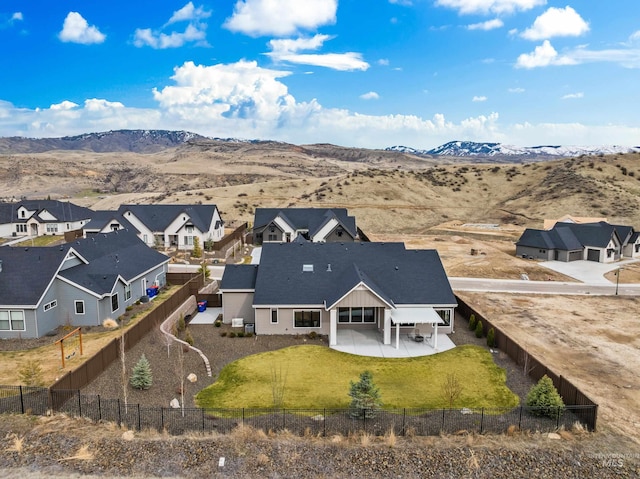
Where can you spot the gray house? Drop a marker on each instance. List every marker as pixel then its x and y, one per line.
pixel 302 287
pixel 77 284
pixel 283 225
pixel 601 242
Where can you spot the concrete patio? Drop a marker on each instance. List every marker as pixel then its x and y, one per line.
pixel 369 343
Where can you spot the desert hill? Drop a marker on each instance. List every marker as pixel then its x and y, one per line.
pixel 388 190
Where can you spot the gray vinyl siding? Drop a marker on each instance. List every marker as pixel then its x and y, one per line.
pixel 285 321
pixel 29 325
pixel 237 305
pixel 265 233
pixel 537 253
pixel 65 312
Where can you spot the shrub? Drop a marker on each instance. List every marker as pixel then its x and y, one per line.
pixel 479 330
pixel 491 338
pixel 544 397
pixel 197 249
pixel 232 334
pixel 312 335
pixel 188 338
pixel 240 334
pixel 365 396
pixel 31 373
pixel 181 323
pixel 223 334
pixel 141 378
pixel 248 335
pixel 472 322
pixel 217 323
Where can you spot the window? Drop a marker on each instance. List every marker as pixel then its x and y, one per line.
pixel 357 315
pixel 274 316
pixel 52 228
pixel 12 320
pixel 21 228
pixel 79 307
pixel 273 237
pixel 189 229
pixel 50 305
pixel 114 303
pixel 188 240
pixel 127 292
pixel 306 319
pixel 445 314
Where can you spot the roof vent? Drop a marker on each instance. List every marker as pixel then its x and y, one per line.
pixel 328 267
pixel 0 266
pixel 307 268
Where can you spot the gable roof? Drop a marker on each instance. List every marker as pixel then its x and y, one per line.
pixel 27 272
pixel 61 210
pixel 571 236
pixel 103 218
pixel 397 275
pixel 311 219
pixel 6 213
pixel 159 217
pixel 120 254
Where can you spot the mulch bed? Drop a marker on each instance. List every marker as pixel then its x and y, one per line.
pixel 223 350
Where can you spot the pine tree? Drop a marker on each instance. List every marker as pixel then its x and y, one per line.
pixel 365 396
pixel 142 377
pixel 545 399
pixel 197 249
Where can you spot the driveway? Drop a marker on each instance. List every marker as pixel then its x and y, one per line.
pixel 588 272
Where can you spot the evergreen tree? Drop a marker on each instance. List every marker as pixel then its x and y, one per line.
pixel 365 396
pixel 479 330
pixel 142 377
pixel 544 397
pixel 197 249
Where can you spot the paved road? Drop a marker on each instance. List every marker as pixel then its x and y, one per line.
pixel 541 287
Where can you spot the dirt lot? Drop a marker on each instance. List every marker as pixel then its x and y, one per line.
pixel 592 341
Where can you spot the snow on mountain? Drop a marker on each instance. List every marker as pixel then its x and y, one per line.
pixel 475 149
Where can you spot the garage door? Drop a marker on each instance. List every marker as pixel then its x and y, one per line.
pixel 575 255
pixel 593 255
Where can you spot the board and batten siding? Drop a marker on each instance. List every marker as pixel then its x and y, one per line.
pixel 285 321
pixel 237 305
pixel 361 297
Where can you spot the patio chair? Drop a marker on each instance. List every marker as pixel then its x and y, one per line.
pixel 416 336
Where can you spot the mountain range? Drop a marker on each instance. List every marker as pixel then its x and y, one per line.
pixel 150 141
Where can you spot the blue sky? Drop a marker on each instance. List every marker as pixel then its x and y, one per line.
pixel 368 73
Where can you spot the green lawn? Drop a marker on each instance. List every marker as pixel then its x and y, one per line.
pixel 41 240
pixel 319 377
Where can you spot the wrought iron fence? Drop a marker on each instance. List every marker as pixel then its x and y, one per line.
pixel 315 422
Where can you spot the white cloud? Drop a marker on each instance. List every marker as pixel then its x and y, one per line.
pixel 479 98
pixel 408 3
pixel 372 95
pixel 287 50
pixel 634 37
pixel 280 17
pixel 488 25
pixel 543 55
pixel 17 16
pixel 516 90
pixel 383 62
pixel 64 105
pixel 76 30
pixel 571 96
pixel 557 22
pixel 95 104
pixel 188 13
pixel 195 31
pixel 490 6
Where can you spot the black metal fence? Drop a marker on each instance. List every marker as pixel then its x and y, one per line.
pixel 316 422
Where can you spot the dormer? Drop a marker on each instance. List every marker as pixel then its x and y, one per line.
pixel 24 213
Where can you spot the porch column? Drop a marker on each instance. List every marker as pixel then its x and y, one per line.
pixel 387 327
pixel 333 327
pixel 397 335
pixel 435 336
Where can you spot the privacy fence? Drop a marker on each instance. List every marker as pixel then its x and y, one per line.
pixel 316 422
pixel 533 367
pixel 98 363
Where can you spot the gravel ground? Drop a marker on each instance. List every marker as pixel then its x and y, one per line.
pixel 54 447
pixel 223 350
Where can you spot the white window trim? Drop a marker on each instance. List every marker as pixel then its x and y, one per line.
pixel 271 321
pixel 307 327
pixel 127 293
pixel 50 305
pixel 24 321
pixel 75 307
pixel 118 299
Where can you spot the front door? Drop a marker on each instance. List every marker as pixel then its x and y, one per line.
pixel 34 229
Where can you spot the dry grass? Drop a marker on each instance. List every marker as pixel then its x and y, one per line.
pixel 83 454
pixel 17 444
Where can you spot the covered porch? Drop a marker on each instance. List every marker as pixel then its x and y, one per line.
pixel 369 342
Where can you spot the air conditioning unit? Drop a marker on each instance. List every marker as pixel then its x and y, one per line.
pixel 14 234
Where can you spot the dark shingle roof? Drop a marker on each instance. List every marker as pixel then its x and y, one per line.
pixel 62 210
pixel 102 218
pixel 239 276
pixel 398 275
pixel 110 255
pixel 311 219
pixel 158 217
pixel 570 236
pixel 7 213
pixel 26 273
pixel 590 234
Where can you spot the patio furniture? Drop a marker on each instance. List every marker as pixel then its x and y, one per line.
pixel 416 336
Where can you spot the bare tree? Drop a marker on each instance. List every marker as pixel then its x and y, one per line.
pixel 112 324
pixel 179 369
pixel 278 385
pixel 451 389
